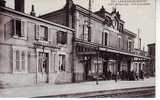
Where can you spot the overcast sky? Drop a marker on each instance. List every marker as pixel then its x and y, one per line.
pixel 135 17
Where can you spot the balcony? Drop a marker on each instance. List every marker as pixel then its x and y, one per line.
pixel 45 44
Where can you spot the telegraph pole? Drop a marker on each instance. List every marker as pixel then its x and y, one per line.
pixel 89 20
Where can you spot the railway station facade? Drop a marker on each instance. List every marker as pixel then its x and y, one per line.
pixel 103 47
pixel 66 46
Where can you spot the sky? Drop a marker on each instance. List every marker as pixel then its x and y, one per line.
pixel 135 16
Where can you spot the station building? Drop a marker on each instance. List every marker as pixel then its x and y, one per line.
pixel 103 47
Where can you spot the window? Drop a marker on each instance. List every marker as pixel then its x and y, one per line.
pixel 97 67
pixel 23 60
pixel 62 37
pixel 86 31
pixel 129 46
pixel 62 62
pixel 43 35
pixel 15 27
pixel 121 27
pixel 20 60
pixel 119 41
pixel 106 38
pixel 19 25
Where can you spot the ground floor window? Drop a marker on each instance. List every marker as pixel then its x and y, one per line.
pixel 62 62
pixel 97 67
pixel 112 67
pixel 20 60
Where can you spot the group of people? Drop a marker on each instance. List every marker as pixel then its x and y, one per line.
pixel 124 75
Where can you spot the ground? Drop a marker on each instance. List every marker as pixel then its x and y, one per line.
pixel 52 89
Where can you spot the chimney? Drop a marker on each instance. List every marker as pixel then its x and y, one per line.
pixel 2 3
pixel 19 5
pixel 69 3
pixel 102 9
pixel 113 10
pixel 33 11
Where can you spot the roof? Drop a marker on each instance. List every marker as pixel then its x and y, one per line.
pixel 130 33
pixel 152 44
pixel 35 18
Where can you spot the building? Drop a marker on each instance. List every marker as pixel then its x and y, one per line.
pixel 103 47
pixel 72 44
pixel 33 50
pixel 151 51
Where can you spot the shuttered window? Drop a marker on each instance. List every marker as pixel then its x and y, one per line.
pixel 19 28
pixel 15 27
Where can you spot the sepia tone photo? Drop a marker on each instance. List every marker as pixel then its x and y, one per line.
pixel 77 48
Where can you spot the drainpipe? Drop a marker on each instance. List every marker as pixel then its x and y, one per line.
pixel 73 57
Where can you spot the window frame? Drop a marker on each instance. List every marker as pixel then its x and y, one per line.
pixel 129 48
pixel 62 67
pixel 62 37
pixel 20 50
pixel 45 33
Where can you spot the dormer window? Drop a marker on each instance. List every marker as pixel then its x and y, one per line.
pixel 120 27
pixel 114 23
pixel 108 21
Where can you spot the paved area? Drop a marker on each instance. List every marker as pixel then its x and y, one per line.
pixel 52 89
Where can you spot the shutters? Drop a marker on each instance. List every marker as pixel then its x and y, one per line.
pixel 23 29
pixel 50 34
pixel 56 62
pixel 54 36
pixel 9 29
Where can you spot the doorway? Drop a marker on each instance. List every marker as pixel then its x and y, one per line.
pixel 43 67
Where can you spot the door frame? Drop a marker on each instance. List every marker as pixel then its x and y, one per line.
pixel 49 59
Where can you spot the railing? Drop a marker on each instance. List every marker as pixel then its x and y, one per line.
pixel 45 44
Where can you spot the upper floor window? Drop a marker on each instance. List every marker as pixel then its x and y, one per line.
pixel 86 31
pixel 129 46
pixel 19 28
pixel 114 22
pixel 15 27
pixel 43 34
pixel 62 37
pixel 119 41
pixel 106 38
pixel 121 27
pixel 62 63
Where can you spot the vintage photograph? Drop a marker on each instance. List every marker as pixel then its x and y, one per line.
pixel 77 48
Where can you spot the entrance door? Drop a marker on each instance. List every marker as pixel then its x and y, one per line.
pixel 43 67
pixel 105 71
